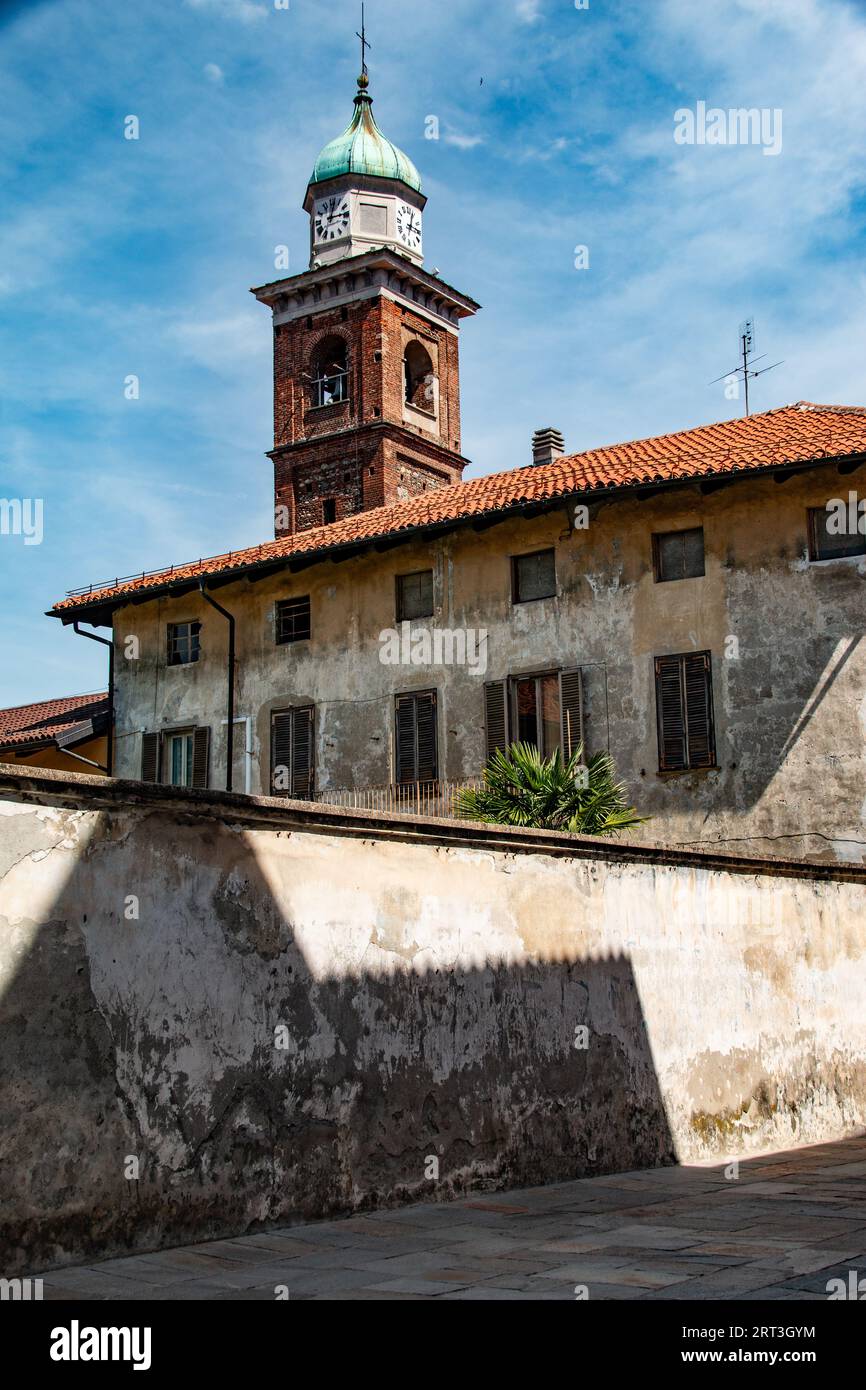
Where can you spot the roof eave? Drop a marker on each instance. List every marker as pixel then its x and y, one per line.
pixel 103 609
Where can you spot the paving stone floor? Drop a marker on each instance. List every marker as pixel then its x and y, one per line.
pixel 787 1225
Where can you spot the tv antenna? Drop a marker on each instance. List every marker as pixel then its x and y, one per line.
pixel 747 347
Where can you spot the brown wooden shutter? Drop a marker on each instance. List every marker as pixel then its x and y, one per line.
pixel 425 725
pixel 281 751
pixel 684 703
pixel 415 719
pixel 496 716
pixel 670 712
pixel 150 758
pixel 200 756
pixel 571 711
pixel 697 684
pixel 302 753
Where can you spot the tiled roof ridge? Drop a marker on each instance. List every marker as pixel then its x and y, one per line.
pixel 647 460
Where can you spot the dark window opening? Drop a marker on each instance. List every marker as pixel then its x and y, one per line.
pixel 329 372
pixel 416 741
pixel 292 753
pixel 832 536
pixel 419 384
pixel 329 510
pixel 414 595
pixel 533 576
pixel 184 643
pixel 678 554
pixel 293 619
pixel 684 709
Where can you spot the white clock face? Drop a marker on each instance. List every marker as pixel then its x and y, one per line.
pixel 332 218
pixel 409 225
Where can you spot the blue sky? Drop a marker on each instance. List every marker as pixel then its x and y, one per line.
pixel 556 127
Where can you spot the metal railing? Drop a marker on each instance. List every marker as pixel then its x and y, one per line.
pixel 410 798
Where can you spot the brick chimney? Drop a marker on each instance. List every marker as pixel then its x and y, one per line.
pixel 547 446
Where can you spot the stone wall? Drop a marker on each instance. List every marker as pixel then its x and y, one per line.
pixel 273 1012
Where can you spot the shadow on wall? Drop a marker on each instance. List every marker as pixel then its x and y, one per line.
pixel 199 1046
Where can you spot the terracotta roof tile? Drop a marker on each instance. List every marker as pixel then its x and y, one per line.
pixel 791 434
pixel 42 722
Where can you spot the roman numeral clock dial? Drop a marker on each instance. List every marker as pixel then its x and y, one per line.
pixel 332 218
pixel 409 226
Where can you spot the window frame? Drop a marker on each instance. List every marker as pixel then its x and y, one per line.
pixel 193 638
pixel 399 579
pixel 280 639
pixel 292 792
pixel 515 575
pixel 169 738
pixel 815 558
pixel 688 765
pixel 658 537
pixel 415 696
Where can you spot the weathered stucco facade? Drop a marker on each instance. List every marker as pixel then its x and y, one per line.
pixel 279 1011
pixel 784 633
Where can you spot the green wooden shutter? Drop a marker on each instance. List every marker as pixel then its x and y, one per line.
pixel 150 758
pixel 496 716
pixel 200 756
pixel 571 712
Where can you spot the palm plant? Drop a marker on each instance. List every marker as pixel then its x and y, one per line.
pixel 523 788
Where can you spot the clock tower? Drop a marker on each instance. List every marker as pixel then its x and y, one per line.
pixel 366 377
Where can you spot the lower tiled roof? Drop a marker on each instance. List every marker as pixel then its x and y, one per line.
pixel 792 434
pixel 42 722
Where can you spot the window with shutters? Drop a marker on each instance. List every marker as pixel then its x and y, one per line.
pixel 545 710
pixel 416 742
pixel 414 595
pixel 684 708
pixel 292 753
pixel 533 576
pixel 293 619
pixel 184 643
pixel 831 540
pixel 678 554
pixel 177 758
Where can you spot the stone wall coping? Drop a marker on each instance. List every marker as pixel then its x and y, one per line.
pixel 88 792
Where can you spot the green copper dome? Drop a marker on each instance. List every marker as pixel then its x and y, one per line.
pixel 363 149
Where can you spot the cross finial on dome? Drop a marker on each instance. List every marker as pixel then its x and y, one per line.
pixel 363 80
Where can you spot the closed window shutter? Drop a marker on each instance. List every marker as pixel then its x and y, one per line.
pixel 700 742
pixel 425 720
pixel 415 719
pixel 302 753
pixel 150 758
pixel 200 756
pixel 571 711
pixel 281 751
pixel 670 713
pixel 405 726
pixel 496 716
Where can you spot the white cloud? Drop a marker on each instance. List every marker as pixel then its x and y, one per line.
pixel 244 10
pixel 214 73
pixel 463 142
pixel 528 10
